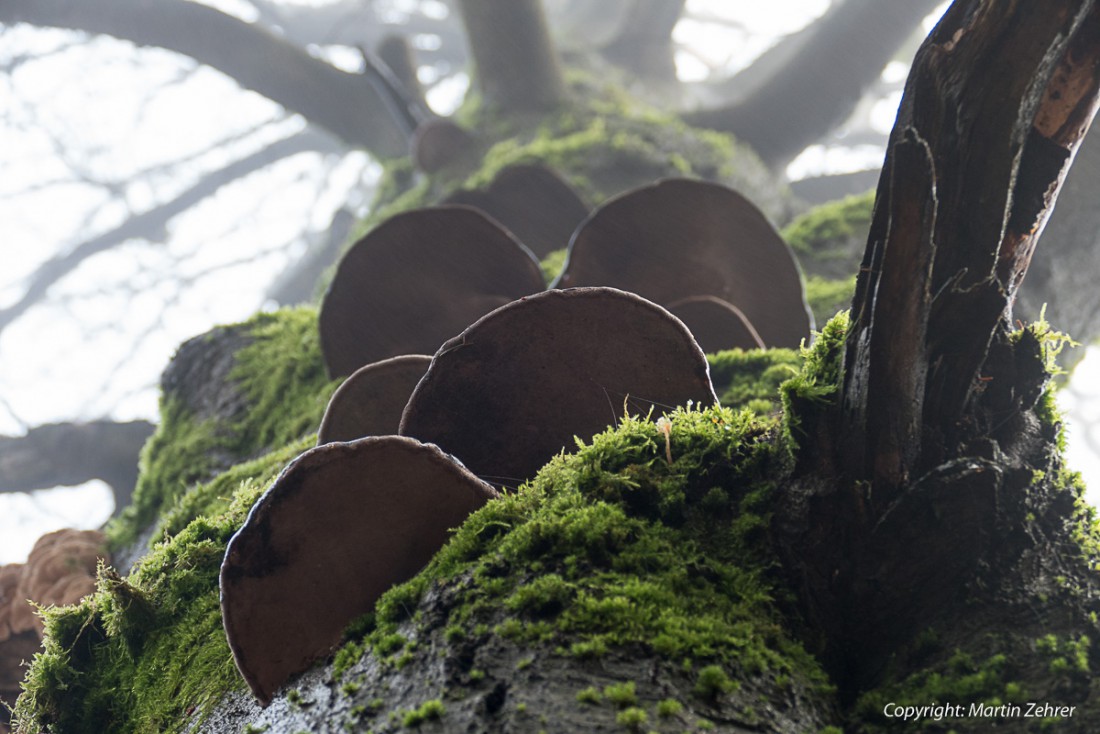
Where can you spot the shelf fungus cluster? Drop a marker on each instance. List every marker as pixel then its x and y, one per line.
pixel 60 570
pixel 410 445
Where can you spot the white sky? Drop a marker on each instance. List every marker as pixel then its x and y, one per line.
pixel 131 311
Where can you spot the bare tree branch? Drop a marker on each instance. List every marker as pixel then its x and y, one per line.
pixel 155 220
pixel 67 454
pixel 644 42
pixel 517 66
pixel 816 76
pixel 344 104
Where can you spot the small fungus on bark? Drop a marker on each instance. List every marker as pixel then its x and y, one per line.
pixel 416 280
pixel 340 525
pixel 371 400
pixel 515 388
pixel 532 202
pixel 679 238
pixel 716 324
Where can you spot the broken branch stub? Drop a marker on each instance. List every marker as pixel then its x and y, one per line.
pixel 340 525
pixel 999 97
pixel 680 238
pixel 371 400
pixel 416 280
pixel 515 388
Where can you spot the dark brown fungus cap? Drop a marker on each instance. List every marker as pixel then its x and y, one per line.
pixel 513 390
pixel 342 524
pixel 370 401
pixel 680 238
pixel 416 280
pixel 716 324
pixel 532 202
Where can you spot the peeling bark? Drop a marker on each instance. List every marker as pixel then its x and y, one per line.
pixel 998 102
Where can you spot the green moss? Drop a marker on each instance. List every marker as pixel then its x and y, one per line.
pixel 960 680
pixel 590 695
pixel 552 265
pixel 751 378
pixel 829 241
pixel 621 694
pixel 712 682
pixel 281 378
pixel 832 233
pixel 428 711
pixel 602 140
pixel 632 718
pixel 669 707
pixel 1066 656
pixel 631 551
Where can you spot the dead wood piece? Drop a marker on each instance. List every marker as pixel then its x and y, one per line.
pixel 998 100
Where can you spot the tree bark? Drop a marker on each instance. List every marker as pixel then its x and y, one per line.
pixel 928 495
pixel 994 111
pixel 346 105
pixel 517 66
pixel 816 77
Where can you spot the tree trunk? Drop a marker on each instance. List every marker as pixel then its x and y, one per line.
pixel 808 84
pixel 921 477
pixel 994 110
pixel 517 66
pixel 67 454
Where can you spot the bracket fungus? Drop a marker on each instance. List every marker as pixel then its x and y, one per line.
pixel 340 525
pixel 679 238
pixel 513 389
pixel 417 279
pixel 371 400
pixel 716 324
pixel 532 202
pixel 60 570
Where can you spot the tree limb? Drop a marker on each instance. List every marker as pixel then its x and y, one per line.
pixel 517 66
pixel 816 76
pixel 67 454
pixel 644 42
pixel 155 220
pixel 342 103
